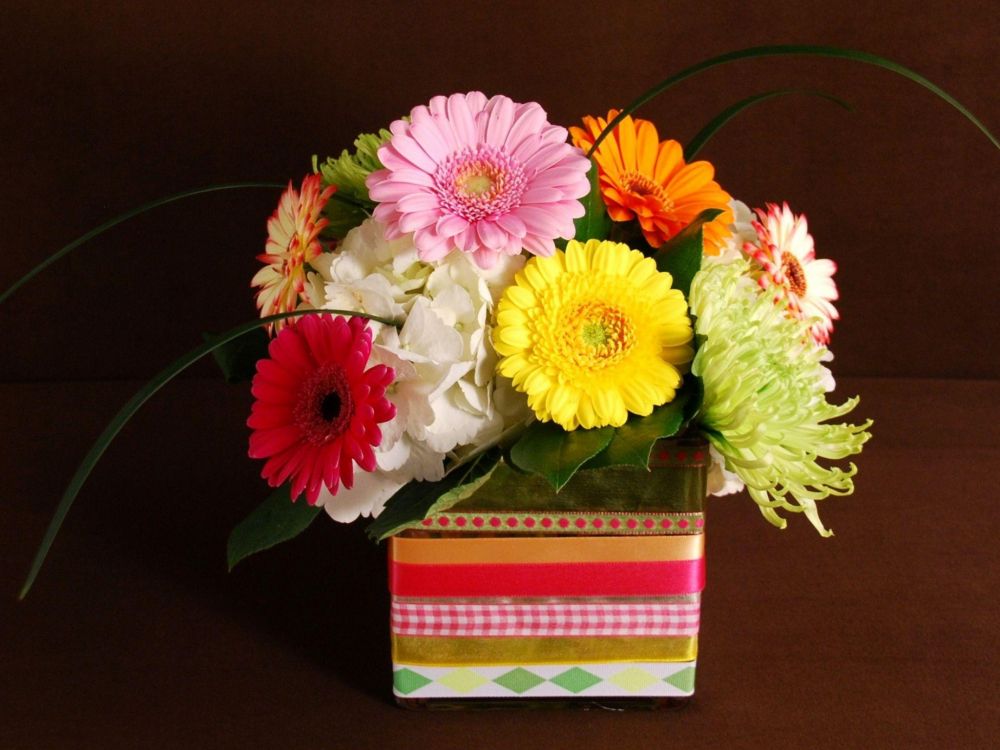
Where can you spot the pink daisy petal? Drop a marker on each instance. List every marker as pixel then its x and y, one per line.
pixel 513 246
pixel 511 224
pixel 413 177
pixel 501 111
pixel 411 222
pixel 539 245
pixel 527 122
pixel 429 138
pixel 449 225
pixel 418 201
pixel 542 194
pixel 459 116
pixel 467 240
pixel 386 214
pixel 491 235
pixel 384 192
pixel 539 221
pixel 407 147
pixel 485 257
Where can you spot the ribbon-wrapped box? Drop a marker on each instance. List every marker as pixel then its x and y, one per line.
pixel 589 595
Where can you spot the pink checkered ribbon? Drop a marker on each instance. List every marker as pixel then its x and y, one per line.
pixel 544 619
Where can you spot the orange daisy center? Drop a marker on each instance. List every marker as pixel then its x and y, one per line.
pixel 641 185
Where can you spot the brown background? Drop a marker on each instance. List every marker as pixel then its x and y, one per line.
pixel 135 636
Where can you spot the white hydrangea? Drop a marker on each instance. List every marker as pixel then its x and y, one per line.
pixel 721 481
pixel 445 391
pixel 742 232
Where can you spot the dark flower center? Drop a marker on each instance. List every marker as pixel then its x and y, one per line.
pixel 324 406
pixel 794 273
pixel 330 406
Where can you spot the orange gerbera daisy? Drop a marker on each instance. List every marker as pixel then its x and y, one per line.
pixel 644 178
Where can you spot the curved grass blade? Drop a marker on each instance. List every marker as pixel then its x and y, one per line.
pixel 125 217
pixel 716 123
pixel 780 50
pixel 132 406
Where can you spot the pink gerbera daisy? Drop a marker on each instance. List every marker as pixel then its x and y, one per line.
pixel 790 269
pixel 317 410
pixel 292 241
pixel 486 176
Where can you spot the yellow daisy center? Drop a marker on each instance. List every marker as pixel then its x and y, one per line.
pixel 595 335
pixel 795 275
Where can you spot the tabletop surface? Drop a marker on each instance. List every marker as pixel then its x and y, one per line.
pixel 135 635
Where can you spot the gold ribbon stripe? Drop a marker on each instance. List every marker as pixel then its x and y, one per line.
pixel 524 550
pixel 431 651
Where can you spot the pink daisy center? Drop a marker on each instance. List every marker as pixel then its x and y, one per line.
pixel 325 407
pixel 479 183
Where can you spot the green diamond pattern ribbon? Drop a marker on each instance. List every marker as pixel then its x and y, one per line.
pixel 659 679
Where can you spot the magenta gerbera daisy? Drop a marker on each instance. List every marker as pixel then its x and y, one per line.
pixel 789 268
pixel 292 241
pixel 318 409
pixel 485 176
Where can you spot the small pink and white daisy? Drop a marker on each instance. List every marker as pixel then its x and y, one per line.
pixel 485 176
pixel 789 268
pixel 292 242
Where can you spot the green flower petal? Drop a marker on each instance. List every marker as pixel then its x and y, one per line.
pixel 351 204
pixel 765 407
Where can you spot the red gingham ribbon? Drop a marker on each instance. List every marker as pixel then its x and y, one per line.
pixel 545 619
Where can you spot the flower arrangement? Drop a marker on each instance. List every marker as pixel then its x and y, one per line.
pixel 476 286
pixel 514 301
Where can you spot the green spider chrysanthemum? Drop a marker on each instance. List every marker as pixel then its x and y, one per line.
pixel 765 407
pixel 348 172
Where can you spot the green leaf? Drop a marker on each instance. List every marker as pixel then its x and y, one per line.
pixel 595 222
pixel 716 123
pixel 125 217
pixel 780 50
pixel 238 358
pixel 554 453
pixel 696 396
pixel 680 256
pixel 132 406
pixel 416 500
pixel 276 520
pixel 633 442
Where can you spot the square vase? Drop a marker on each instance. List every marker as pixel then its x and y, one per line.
pixel 591 596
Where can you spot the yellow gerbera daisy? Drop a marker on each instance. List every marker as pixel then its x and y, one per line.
pixel 646 179
pixel 593 334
